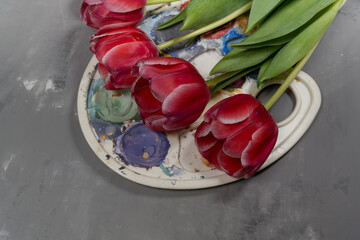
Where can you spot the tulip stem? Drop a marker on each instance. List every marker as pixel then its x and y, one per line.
pixel 207 28
pixel 298 67
pixel 153 2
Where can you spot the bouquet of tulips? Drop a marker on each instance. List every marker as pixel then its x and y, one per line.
pixel 238 133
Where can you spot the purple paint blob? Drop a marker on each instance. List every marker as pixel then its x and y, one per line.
pixel 105 130
pixel 141 147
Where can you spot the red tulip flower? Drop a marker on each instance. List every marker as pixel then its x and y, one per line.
pixel 112 13
pixel 118 51
pixel 237 135
pixel 169 92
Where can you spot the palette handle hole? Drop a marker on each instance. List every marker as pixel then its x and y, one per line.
pixel 284 107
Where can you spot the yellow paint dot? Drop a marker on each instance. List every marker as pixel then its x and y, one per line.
pixel 156 140
pixel 103 137
pixel 206 163
pixel 110 134
pixel 121 145
pixel 237 91
pixel 146 155
pixel 117 95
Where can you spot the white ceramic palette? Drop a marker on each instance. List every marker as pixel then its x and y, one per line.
pixel 183 166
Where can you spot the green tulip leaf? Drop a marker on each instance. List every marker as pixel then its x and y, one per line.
pixel 289 17
pixel 239 59
pixel 263 69
pixel 260 10
pixel 295 50
pixel 201 13
pixel 274 42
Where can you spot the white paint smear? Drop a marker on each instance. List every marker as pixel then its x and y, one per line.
pixel 5 165
pixel 50 86
pixel 29 84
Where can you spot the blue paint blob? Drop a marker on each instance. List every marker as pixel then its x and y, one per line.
pixel 234 35
pixel 141 147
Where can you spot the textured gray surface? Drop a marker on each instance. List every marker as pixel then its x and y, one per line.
pixel 52 186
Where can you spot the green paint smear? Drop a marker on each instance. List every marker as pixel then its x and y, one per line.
pixel 114 106
pixel 165 170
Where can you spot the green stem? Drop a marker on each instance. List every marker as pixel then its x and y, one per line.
pixel 209 27
pixel 153 2
pixel 299 66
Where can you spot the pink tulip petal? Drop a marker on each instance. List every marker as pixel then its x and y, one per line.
pixel 188 99
pixel 231 166
pixel 124 5
pixel 252 144
pixel 121 20
pixel 145 115
pixel 203 130
pixel 263 138
pixel 109 25
pixel 98 13
pixel 145 100
pixel 108 83
pixel 236 143
pixel 114 24
pixel 214 162
pixel 101 33
pixel 179 122
pixel 205 143
pixel 237 109
pixel 101 44
pixel 123 57
pixel 212 154
pixel 222 131
pixel 163 85
pixel 156 123
pixel 138 84
pixel 128 16
pixel 213 110
pixel 83 10
pixel 102 70
pixel 123 79
pixel 152 67
pixel 85 15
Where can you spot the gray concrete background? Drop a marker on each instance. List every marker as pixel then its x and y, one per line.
pixel 52 186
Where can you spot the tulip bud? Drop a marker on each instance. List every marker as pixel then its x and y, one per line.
pixel 169 92
pixel 118 51
pixel 237 135
pixel 111 13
